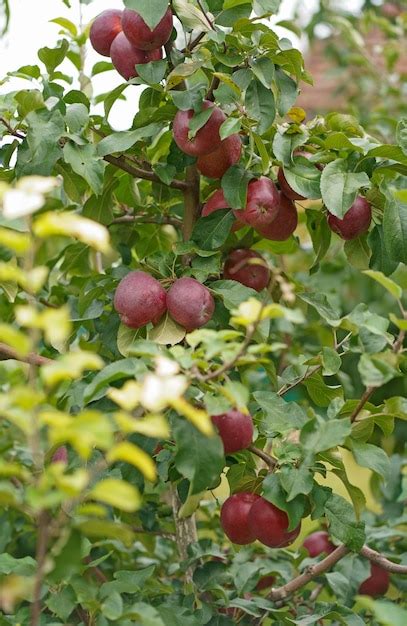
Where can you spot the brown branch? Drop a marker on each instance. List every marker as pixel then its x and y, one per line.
pixel 41 553
pixel 367 393
pixel 208 21
pixel 191 201
pixel 229 364
pixel 281 593
pixel 381 560
pixel 267 458
pixel 161 220
pixel 33 359
pixel 193 43
pixel 185 531
pixel 11 130
pixel 214 85
pixel 138 172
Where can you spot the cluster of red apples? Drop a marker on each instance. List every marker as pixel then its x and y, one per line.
pixel 140 299
pixel 126 38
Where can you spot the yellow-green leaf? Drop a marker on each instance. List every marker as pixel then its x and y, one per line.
pixel 89 232
pixel 385 282
pixel 128 452
pixel 117 493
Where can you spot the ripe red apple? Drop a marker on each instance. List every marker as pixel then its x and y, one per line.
pixel 378 582
pixel 234 517
pixel 215 164
pixel 60 455
pixel 104 30
pixel 269 525
pixel 216 202
pixel 141 35
pixel 284 224
pixel 238 267
pixel 355 222
pixel 263 201
pixel 265 582
pixel 282 181
pixel 125 56
pixel 207 139
pixel 391 10
pixel 190 303
pixel 235 429
pixel 140 299
pixel 317 543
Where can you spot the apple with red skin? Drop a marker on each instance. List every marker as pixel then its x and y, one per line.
pixel 235 429
pixel 190 303
pixel 216 163
pixel 391 10
pixel 238 267
pixel 269 525
pixel 284 224
pixel 140 299
pixel 378 582
pixel 104 30
pixel 141 36
pixel 125 56
pixel 60 455
pixel 234 516
pixel 207 138
pixel 317 543
pixel 355 222
pixel 263 202
pixel 216 202
pixel 265 583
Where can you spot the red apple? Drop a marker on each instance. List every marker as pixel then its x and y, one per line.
pixel 317 543
pixel 235 429
pixel 104 30
pixel 263 201
pixel 238 267
pixel 391 10
pixel 216 202
pixel 269 525
pixel 234 517
pixel 190 303
pixel 215 164
pixel 207 139
pixel 141 36
pixel 355 222
pixel 60 455
pixel 125 56
pixel 284 224
pixel 265 583
pixel 378 582
pixel 140 299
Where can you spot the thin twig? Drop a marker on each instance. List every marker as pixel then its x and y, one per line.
pixel 366 395
pixel 315 592
pixel 161 220
pixel 214 85
pixel 267 458
pixel 281 593
pixel 206 17
pixel 32 358
pixel 138 172
pixel 11 130
pixel 381 560
pixel 193 43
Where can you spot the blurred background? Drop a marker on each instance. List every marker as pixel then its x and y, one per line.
pixel 356 51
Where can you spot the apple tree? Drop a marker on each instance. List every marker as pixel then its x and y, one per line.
pixel 202 342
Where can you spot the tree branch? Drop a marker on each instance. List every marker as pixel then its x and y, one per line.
pixel 367 393
pixel 33 359
pixel 11 130
pixel 191 201
pixel 193 43
pixel 161 220
pixel 138 172
pixel 267 458
pixel 381 560
pixel 41 553
pixel 281 593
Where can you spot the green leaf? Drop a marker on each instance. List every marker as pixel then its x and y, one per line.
pixel 304 178
pixel 331 361
pixel 125 368
pixel 212 231
pixel 358 252
pixel 129 453
pixel 62 602
pixel 343 524
pixel 296 481
pixel 45 130
pixel 117 493
pixel 105 529
pixel 260 105
pixel 229 127
pixel 67 24
pixel 375 371
pixel 167 332
pixel 85 162
pixel 234 185
pixel 318 436
pixel 321 393
pixel 380 259
pixel 395 229
pixel 263 69
pixel 321 304
pixel 279 416
pixel 191 16
pixel 152 73
pixel 52 57
pixel 339 187
pixel 200 459
pixel 387 283
pixel 127 338
pixel 112 607
pixel 385 612
pixel 274 493
pixel 402 134
pixel 232 292
pixel 373 457
pixel 77 116
pixel 288 92
pixel 151 12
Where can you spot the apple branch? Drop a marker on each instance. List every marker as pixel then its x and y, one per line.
pixel 381 560
pixel 267 458
pixel 191 201
pixel 32 358
pixel 138 172
pixel 160 220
